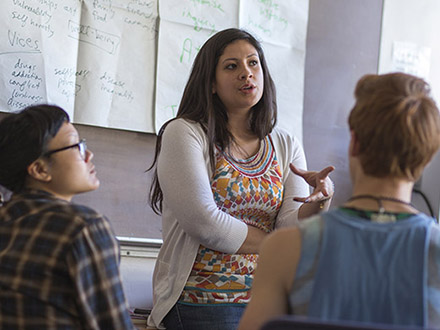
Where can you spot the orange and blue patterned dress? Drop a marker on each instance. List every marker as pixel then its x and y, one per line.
pixel 250 190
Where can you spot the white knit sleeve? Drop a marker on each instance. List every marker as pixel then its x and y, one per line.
pixel 184 179
pixel 294 185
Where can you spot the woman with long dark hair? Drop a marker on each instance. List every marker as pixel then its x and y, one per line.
pixel 222 183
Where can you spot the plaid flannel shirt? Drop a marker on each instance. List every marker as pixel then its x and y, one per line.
pixel 59 267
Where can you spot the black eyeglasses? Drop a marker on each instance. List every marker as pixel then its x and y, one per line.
pixel 81 145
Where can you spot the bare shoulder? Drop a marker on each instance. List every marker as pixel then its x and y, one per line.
pixel 283 239
pixel 280 253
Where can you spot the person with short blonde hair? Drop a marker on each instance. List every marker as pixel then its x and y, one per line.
pixel 375 258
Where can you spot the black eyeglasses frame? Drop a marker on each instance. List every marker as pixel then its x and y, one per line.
pixel 81 145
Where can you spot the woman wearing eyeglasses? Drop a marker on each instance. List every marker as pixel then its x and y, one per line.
pixel 72 171
pixel 59 262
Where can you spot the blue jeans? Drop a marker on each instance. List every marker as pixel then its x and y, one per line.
pixel 187 317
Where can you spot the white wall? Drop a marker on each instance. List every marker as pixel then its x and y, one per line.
pixel 416 23
pixel 137 265
pixel 343 40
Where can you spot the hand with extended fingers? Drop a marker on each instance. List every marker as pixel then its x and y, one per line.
pixel 320 181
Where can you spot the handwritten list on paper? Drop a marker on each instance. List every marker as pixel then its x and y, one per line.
pixel 281 26
pixel 184 27
pixel 411 58
pixel 108 64
pixel 95 58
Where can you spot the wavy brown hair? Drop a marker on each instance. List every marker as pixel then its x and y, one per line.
pixel 200 105
pixel 397 124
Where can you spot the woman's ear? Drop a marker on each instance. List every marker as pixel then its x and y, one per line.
pixel 354 147
pixel 39 170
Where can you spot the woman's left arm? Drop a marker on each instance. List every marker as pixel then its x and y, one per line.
pixel 291 151
pixel 297 184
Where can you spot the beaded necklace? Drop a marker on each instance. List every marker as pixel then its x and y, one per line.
pixel 381 217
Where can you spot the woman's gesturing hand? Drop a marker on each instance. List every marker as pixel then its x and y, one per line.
pixel 320 181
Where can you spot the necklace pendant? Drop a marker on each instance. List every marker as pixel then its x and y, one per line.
pixel 383 218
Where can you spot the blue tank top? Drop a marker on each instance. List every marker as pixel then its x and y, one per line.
pixel 372 272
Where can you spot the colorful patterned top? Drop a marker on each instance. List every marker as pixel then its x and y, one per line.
pixel 250 190
pixel 190 215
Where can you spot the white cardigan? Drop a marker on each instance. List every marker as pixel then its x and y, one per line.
pixel 190 215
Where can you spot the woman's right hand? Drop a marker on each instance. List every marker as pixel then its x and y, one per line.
pixel 253 240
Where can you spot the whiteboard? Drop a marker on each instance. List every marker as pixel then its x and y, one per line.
pixel 124 63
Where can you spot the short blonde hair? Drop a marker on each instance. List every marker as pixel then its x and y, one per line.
pixel 397 124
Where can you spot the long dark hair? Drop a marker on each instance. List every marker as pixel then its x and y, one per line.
pixel 200 105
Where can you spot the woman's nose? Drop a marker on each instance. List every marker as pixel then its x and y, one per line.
pixel 89 155
pixel 246 74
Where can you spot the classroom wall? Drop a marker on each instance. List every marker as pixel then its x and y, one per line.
pixel 137 273
pixel 413 34
pixel 343 43
pixel 343 40
pixel 121 159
